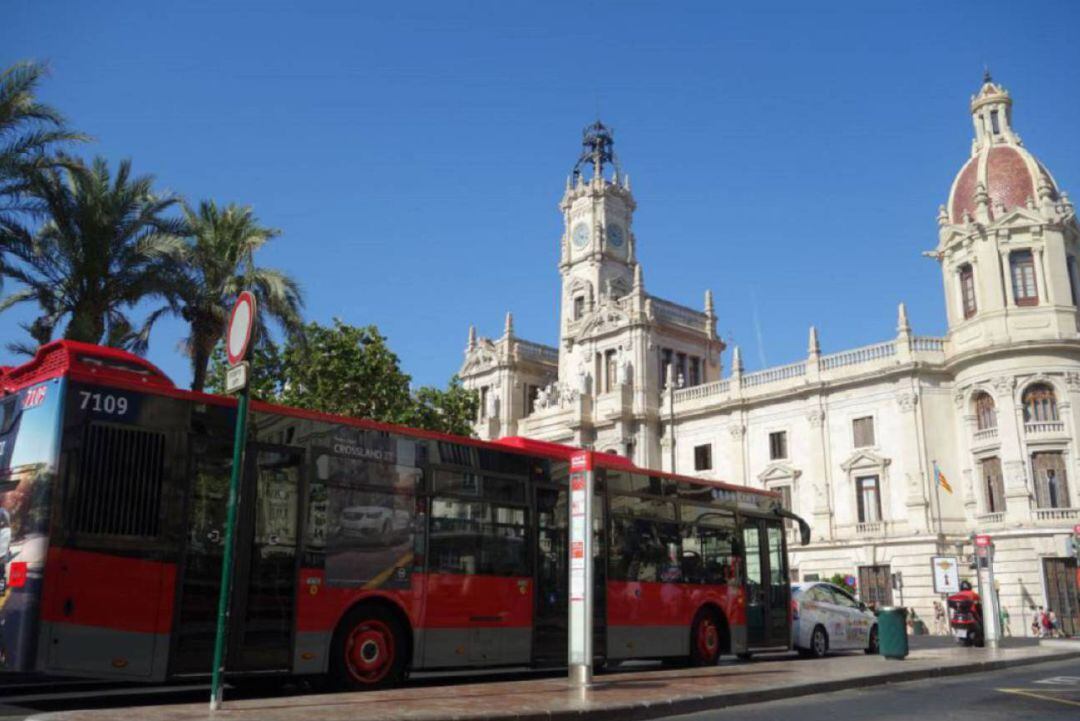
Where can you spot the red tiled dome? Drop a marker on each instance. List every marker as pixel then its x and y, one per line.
pixel 1009 174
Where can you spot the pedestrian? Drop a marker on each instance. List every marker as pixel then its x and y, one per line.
pixel 1047 624
pixel 1036 621
pixel 1055 624
pixel 941 627
pixel 1005 630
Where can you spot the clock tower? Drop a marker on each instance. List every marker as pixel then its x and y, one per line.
pixel 597 250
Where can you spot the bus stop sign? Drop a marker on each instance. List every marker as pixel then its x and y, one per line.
pixel 241 325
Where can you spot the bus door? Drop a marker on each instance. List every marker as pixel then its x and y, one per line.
pixel 552 577
pixel 261 622
pixel 550 620
pixel 768 594
pixel 264 597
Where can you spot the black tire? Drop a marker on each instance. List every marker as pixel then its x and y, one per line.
pixel 873 648
pixel 370 650
pixel 705 635
pixel 819 642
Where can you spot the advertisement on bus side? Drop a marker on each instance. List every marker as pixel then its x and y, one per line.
pixel 29 450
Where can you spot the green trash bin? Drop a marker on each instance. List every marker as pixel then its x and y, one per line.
pixel 892 632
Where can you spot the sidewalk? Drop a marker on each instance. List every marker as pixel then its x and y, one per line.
pixel 638 695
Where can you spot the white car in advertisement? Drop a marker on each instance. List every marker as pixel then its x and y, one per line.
pixel 373 521
pixel 826 618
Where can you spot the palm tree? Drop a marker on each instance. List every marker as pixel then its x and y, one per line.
pixel 102 247
pixel 28 131
pixel 217 263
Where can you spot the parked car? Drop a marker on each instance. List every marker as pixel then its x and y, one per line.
pixel 373 521
pixel 827 618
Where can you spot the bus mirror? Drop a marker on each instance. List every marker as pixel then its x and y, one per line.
pixel 804 527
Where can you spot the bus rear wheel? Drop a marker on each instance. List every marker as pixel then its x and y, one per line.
pixel 705 639
pixel 369 650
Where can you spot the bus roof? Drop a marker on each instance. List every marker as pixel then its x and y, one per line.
pixel 615 462
pixel 99 364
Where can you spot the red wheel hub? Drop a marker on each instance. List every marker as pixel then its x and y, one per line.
pixel 369 651
pixel 708 639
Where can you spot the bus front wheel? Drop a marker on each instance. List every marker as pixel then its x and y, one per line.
pixel 705 639
pixel 369 650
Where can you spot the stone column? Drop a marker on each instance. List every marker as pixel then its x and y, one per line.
pixel 821 520
pixel 1013 464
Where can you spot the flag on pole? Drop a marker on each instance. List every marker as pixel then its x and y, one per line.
pixel 940 479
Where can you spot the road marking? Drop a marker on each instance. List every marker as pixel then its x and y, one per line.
pixel 1041 697
pixel 1061 680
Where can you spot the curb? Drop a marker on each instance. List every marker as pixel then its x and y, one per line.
pixel 642 711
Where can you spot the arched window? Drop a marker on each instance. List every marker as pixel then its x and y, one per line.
pixel 985 412
pixel 1022 265
pixel 1040 405
pixel 967 290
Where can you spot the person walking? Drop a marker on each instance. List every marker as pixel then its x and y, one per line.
pixel 941 626
pixel 1055 624
pixel 1005 630
pixel 1036 621
pixel 1047 629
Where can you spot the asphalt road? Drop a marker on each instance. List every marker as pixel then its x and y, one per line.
pixel 1046 692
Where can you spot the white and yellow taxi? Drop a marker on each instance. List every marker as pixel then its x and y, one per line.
pixel 826 618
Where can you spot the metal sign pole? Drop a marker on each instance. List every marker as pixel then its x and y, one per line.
pixel 227 561
pixel 993 617
pixel 238 339
pixel 580 646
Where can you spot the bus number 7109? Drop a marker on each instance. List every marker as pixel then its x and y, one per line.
pixel 103 403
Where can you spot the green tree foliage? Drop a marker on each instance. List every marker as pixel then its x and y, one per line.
pixel 214 266
pixel 350 371
pixel 99 250
pixel 29 130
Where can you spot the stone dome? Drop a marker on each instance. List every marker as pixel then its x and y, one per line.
pixel 1000 166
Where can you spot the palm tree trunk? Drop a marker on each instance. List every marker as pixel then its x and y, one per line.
pixel 202 347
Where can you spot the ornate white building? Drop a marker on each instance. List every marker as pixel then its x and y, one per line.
pixel 850 438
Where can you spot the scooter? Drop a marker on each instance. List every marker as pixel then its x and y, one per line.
pixel 965 617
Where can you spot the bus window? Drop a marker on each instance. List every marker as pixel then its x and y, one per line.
pixel 471 484
pixel 752 543
pixel 708 547
pixel 644 550
pixel 477 537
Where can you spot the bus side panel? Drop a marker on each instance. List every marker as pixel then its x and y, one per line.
pixel 649 620
pixel 87 635
pixel 320 606
pixel 29 453
pixel 477 620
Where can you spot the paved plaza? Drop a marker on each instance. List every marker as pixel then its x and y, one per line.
pixel 634 695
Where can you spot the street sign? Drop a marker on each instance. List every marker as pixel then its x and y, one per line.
pixel 946 574
pixel 982 541
pixel 581 570
pixel 237 343
pixel 236 378
pixel 241 325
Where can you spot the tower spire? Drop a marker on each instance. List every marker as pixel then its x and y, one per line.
pixel 508 329
pixel 814 347
pixel 597 150
pixel 472 337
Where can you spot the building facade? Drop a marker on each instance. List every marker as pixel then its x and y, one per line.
pixel 851 439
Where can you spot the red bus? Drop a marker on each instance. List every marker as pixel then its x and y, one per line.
pixel 364 550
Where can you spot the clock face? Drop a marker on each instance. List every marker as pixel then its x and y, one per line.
pixel 615 236
pixel 580 235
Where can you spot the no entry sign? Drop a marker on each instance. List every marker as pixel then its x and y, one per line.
pixel 982 541
pixel 241 326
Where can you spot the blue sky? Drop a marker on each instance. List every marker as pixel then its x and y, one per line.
pixel 790 156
